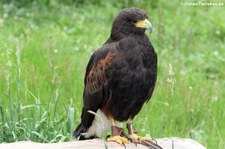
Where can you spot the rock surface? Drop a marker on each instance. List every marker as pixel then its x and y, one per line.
pixel 165 143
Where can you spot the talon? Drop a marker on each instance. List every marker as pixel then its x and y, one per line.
pixel 131 140
pixel 118 139
pixel 138 139
pixel 135 143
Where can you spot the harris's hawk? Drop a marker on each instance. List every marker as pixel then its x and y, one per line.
pixel 120 77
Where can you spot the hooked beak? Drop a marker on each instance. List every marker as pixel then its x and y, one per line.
pixel 144 24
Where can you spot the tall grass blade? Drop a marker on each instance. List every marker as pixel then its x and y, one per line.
pixel 18 57
pixel 70 121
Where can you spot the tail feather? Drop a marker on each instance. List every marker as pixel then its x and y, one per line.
pixel 80 129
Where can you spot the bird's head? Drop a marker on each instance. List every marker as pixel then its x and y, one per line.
pixel 131 20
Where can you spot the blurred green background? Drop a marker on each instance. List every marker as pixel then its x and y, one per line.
pixel 45 46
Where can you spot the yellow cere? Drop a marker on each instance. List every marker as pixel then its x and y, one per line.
pixel 141 23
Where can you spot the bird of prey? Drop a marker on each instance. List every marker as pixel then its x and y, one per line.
pixel 120 77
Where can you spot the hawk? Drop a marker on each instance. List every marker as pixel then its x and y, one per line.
pixel 120 77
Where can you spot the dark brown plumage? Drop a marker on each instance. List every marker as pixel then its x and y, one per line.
pixel 121 75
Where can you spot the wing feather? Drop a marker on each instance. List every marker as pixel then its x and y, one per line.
pixel 96 84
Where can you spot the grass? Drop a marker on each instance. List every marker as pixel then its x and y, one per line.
pixel 45 47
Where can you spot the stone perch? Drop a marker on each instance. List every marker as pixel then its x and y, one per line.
pixel 165 143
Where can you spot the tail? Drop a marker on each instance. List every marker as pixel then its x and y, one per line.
pixel 86 122
pixel 80 129
pixel 78 132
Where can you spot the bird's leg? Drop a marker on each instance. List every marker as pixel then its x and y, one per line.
pixel 117 133
pixel 133 133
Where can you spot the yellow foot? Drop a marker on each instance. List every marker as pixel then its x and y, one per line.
pixel 138 139
pixel 118 139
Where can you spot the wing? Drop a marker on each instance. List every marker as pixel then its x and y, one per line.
pixel 96 83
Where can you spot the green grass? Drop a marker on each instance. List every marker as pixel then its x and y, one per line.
pixel 45 47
